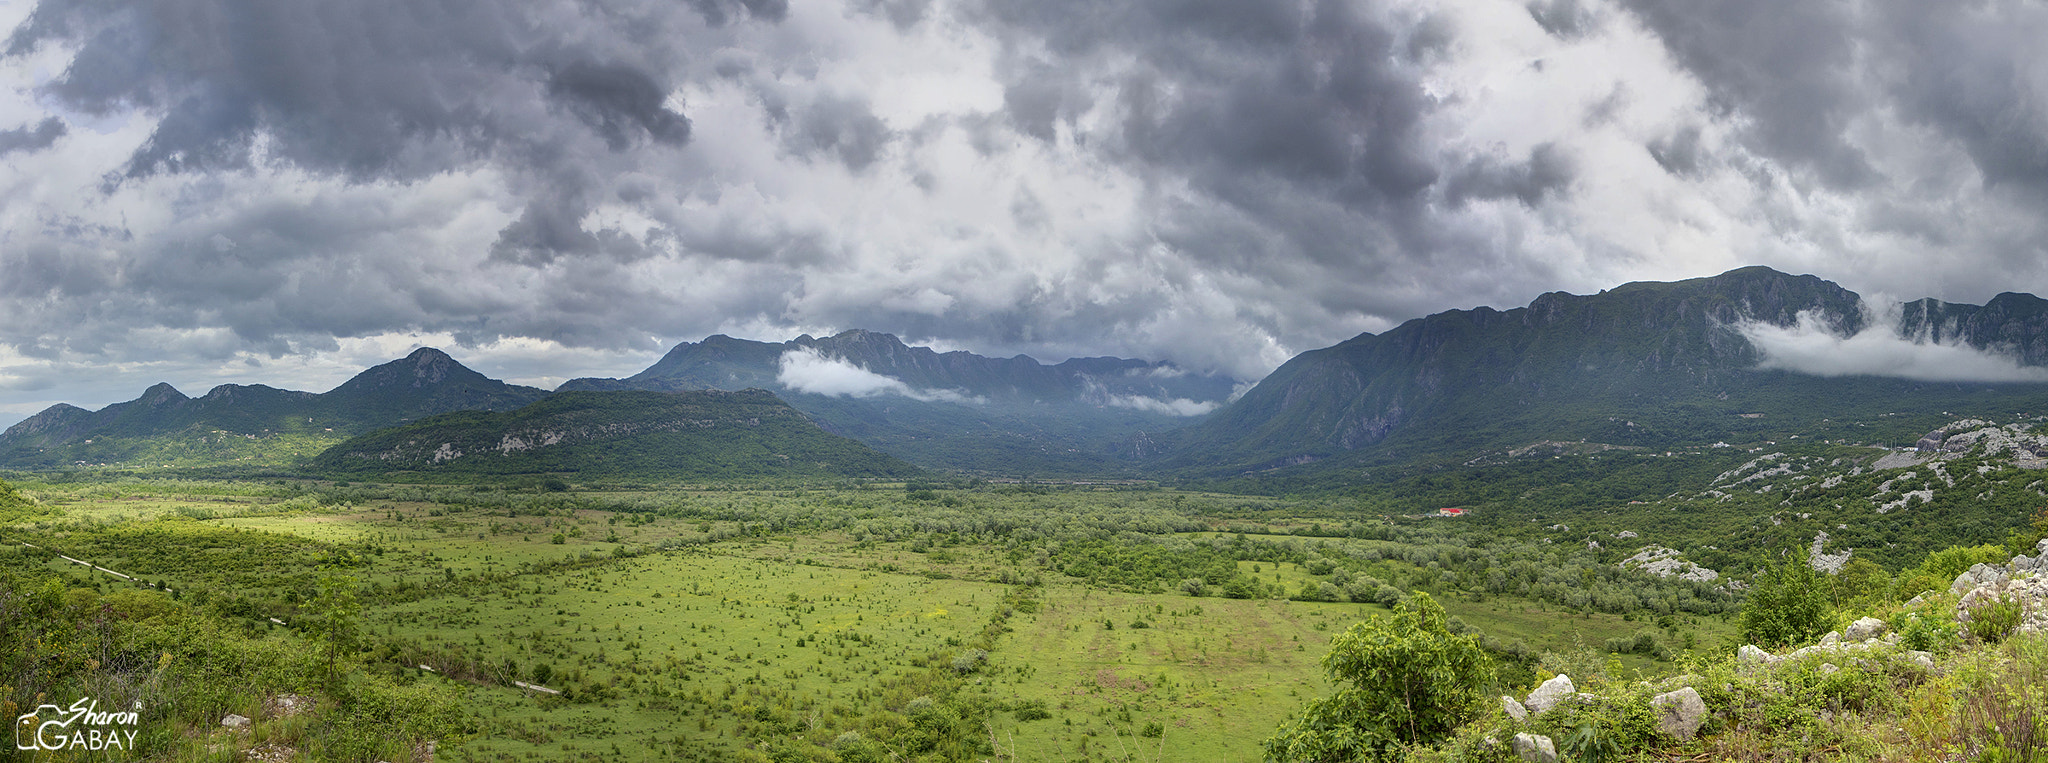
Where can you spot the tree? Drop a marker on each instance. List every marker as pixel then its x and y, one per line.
pixel 1788 604
pixel 1402 681
pixel 332 618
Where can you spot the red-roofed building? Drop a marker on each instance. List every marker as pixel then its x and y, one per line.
pixel 1450 512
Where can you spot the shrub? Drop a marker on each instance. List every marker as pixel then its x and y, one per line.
pixel 1402 680
pixel 1789 604
pixel 1990 622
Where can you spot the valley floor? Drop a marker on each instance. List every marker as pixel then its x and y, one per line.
pixel 849 623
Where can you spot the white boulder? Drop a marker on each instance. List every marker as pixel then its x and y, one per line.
pixel 1550 694
pixel 1679 713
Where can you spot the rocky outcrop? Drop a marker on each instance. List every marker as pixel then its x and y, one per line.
pixel 1535 748
pixel 1664 563
pixel 1550 694
pixel 1679 713
pixel 1864 629
pixel 1514 709
pixel 2016 442
pixel 1826 562
pixel 2023 579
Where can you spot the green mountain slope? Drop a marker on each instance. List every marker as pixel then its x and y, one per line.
pixel 253 424
pixel 688 435
pixel 1645 364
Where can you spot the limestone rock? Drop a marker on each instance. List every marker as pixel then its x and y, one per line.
pixel 1514 709
pixel 1864 630
pixel 1964 582
pixel 1550 694
pixel 235 721
pixel 1535 748
pixel 1679 713
pixel 1749 654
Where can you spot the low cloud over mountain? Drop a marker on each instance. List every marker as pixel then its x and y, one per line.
pixel 805 369
pixel 1812 347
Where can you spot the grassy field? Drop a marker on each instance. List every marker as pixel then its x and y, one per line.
pixel 701 631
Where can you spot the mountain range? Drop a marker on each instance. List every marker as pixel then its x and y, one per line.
pixel 953 410
pixel 1650 364
pixel 702 434
pixel 232 421
pixel 1645 364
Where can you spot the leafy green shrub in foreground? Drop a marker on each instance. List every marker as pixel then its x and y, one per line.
pixel 1403 680
pixel 1788 605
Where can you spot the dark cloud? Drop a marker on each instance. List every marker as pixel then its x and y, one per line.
pixel 620 103
pixel 1547 172
pixel 1036 103
pixel 722 12
pixel 1218 183
pixel 1788 69
pixel 902 13
pixel 548 228
pixel 1973 74
pixel 1314 103
pixel 384 90
pixel 1678 153
pixel 843 128
pixel 32 139
pixel 1563 18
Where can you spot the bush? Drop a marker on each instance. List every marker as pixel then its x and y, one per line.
pixel 1402 680
pixel 1928 634
pixel 970 660
pixel 1387 595
pixel 1788 605
pixel 1990 622
pixel 1644 643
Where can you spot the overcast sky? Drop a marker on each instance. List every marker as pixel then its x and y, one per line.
pixel 287 191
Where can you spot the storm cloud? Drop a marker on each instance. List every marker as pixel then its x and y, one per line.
pixel 188 186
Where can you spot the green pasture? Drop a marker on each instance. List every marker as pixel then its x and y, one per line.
pixel 706 634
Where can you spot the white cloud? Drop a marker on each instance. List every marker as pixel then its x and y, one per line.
pixel 1178 406
pixel 805 369
pixel 1808 347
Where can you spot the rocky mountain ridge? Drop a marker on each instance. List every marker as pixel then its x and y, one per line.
pixel 722 362
pixel 1642 364
pixel 663 435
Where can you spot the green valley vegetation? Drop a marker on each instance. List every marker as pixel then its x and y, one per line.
pixel 948 620
pixel 574 615
pixel 1937 677
pixel 162 671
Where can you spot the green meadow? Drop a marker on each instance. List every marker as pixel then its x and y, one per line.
pixel 836 623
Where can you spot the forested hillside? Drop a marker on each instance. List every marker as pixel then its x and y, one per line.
pixel 659 435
